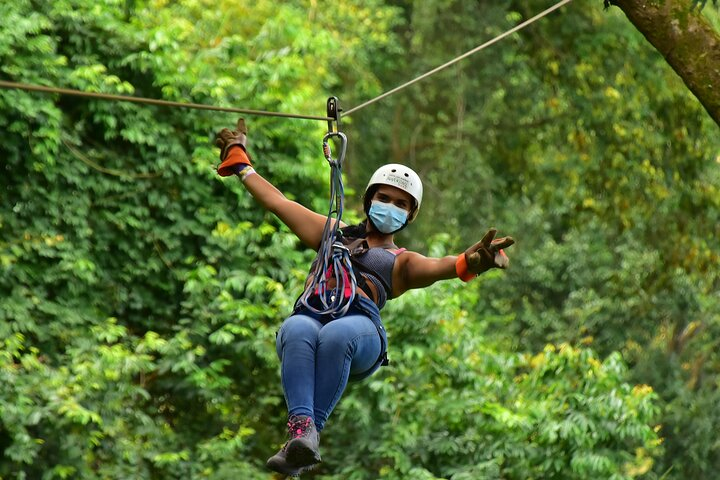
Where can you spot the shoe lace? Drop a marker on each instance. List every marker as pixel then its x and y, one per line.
pixel 298 426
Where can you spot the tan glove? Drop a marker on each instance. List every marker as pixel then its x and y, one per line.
pixel 233 161
pixel 486 254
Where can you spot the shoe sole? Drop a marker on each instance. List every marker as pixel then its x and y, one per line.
pixel 289 472
pixel 281 467
pixel 299 455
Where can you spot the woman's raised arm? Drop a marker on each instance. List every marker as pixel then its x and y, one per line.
pixel 306 224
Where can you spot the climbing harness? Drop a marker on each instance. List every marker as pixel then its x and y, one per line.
pixel 332 263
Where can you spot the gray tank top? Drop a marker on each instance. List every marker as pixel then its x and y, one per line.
pixel 376 264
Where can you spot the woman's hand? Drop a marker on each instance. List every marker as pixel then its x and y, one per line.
pixel 488 253
pixel 226 139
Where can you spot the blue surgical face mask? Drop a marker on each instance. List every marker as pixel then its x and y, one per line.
pixel 386 217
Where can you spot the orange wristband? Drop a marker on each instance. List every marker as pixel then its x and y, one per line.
pixel 461 269
pixel 236 156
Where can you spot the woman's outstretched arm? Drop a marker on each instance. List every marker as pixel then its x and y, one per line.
pixel 413 270
pixel 306 224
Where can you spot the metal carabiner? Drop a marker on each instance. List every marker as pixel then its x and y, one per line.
pixel 328 153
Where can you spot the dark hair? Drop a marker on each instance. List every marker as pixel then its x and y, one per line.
pixel 367 197
pixel 355 231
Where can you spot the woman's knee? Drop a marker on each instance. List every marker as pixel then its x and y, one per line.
pixel 357 343
pixel 298 328
pixel 340 335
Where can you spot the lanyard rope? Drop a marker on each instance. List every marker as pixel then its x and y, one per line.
pixel 333 258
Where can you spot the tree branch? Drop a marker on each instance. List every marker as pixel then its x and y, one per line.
pixel 686 39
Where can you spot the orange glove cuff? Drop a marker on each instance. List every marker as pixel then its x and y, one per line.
pixel 235 156
pixel 461 269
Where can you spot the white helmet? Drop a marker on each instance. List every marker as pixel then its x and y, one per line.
pixel 398 176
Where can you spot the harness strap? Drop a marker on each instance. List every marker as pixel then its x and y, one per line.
pixel 360 246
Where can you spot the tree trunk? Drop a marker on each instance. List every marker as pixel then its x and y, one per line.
pixel 677 29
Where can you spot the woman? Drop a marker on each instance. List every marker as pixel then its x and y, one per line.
pixel 320 352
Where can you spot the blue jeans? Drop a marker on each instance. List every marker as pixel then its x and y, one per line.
pixel 320 354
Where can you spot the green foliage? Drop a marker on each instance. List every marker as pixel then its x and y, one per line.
pixel 455 403
pixel 576 138
pixel 141 293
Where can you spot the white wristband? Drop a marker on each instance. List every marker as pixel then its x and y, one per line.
pixel 246 172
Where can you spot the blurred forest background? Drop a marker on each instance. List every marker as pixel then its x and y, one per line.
pixel 140 293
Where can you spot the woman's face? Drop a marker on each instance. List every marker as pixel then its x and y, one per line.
pixel 390 194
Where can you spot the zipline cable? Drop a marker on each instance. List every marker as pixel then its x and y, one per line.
pixel 199 106
pixel 151 101
pixel 461 57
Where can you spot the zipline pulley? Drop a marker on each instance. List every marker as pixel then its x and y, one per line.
pixel 333 112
